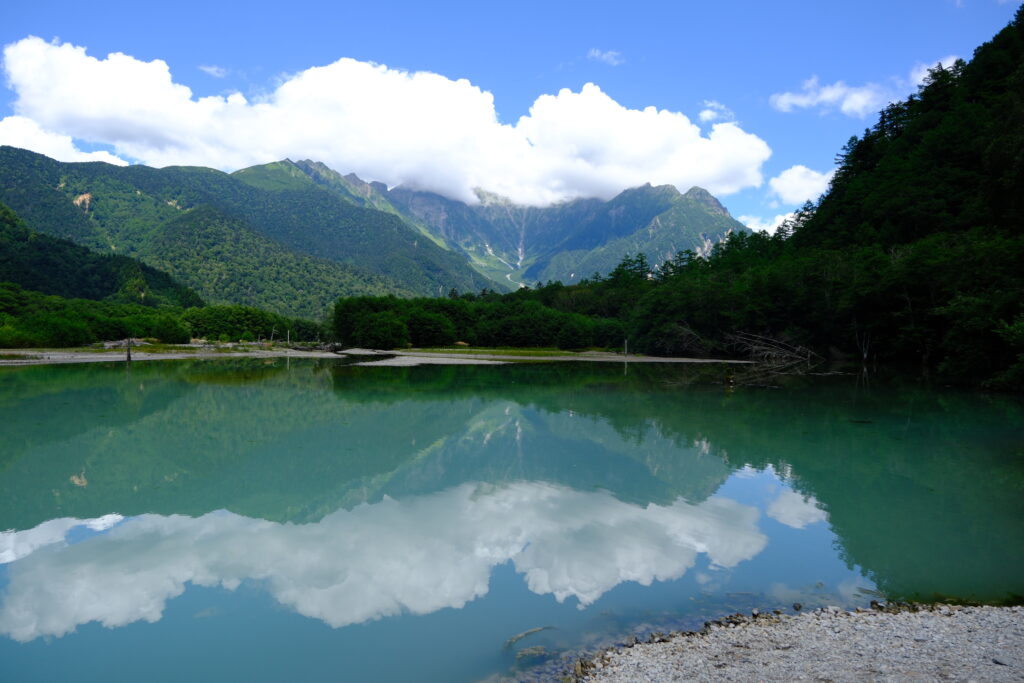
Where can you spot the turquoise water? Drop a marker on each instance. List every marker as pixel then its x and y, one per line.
pixel 266 520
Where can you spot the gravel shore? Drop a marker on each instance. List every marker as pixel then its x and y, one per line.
pixel 937 643
pixel 14 357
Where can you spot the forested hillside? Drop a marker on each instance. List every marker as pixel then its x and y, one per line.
pixel 316 245
pixel 54 293
pixel 915 255
pixel 55 266
pixel 227 262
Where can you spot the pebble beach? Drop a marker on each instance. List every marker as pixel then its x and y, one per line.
pixel 942 642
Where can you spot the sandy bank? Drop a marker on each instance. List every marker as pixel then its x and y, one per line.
pixel 53 357
pixel 944 643
pixel 588 356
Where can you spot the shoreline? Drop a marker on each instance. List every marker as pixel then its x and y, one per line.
pixel 892 643
pixel 387 358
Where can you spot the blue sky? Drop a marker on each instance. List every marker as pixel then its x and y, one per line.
pixel 778 130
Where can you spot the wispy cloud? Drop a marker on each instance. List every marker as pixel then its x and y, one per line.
pixel 215 71
pixel 611 57
pixel 855 100
pixel 715 111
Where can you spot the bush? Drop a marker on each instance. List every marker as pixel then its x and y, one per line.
pixel 576 333
pixel 384 330
pixel 52 329
pixel 170 330
pixel 430 329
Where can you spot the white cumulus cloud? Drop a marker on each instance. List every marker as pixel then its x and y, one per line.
pixel 417 555
pixel 798 184
pixel 18 131
pixel 769 225
pixel 611 57
pixel 419 129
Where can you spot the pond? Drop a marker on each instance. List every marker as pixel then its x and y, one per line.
pixel 267 520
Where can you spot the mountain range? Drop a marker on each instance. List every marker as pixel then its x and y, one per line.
pixel 291 237
pixel 568 241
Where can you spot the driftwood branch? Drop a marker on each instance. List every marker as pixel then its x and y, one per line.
pixel 772 351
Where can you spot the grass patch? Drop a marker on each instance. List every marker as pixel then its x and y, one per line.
pixel 161 348
pixel 120 350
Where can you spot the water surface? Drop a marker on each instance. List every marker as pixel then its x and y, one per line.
pixel 267 520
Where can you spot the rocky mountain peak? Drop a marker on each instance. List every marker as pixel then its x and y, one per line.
pixel 705 199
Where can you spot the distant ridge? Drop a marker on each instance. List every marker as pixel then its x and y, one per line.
pixel 566 241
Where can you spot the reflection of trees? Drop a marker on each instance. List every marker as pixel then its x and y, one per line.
pixel 924 488
pixel 245 435
pixel 262 441
pixel 45 406
pixel 27 397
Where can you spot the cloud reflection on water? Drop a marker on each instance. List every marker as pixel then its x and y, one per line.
pixel 416 555
pixel 796 510
pixel 15 545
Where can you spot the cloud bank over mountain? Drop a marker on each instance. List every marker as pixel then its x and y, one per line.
pixel 420 129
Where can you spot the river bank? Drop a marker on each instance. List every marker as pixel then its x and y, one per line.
pixel 942 642
pixel 16 357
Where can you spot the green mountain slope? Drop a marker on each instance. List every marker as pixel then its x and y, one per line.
pixel 55 266
pixel 669 222
pixel 274 177
pixel 355 191
pixel 124 210
pixel 227 262
pixel 318 222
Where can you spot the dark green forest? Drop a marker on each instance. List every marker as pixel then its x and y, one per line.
pixel 914 255
pixel 30 319
pixel 56 266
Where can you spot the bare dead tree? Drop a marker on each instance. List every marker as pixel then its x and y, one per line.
pixel 775 355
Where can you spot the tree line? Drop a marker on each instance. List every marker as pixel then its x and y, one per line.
pixel 32 319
